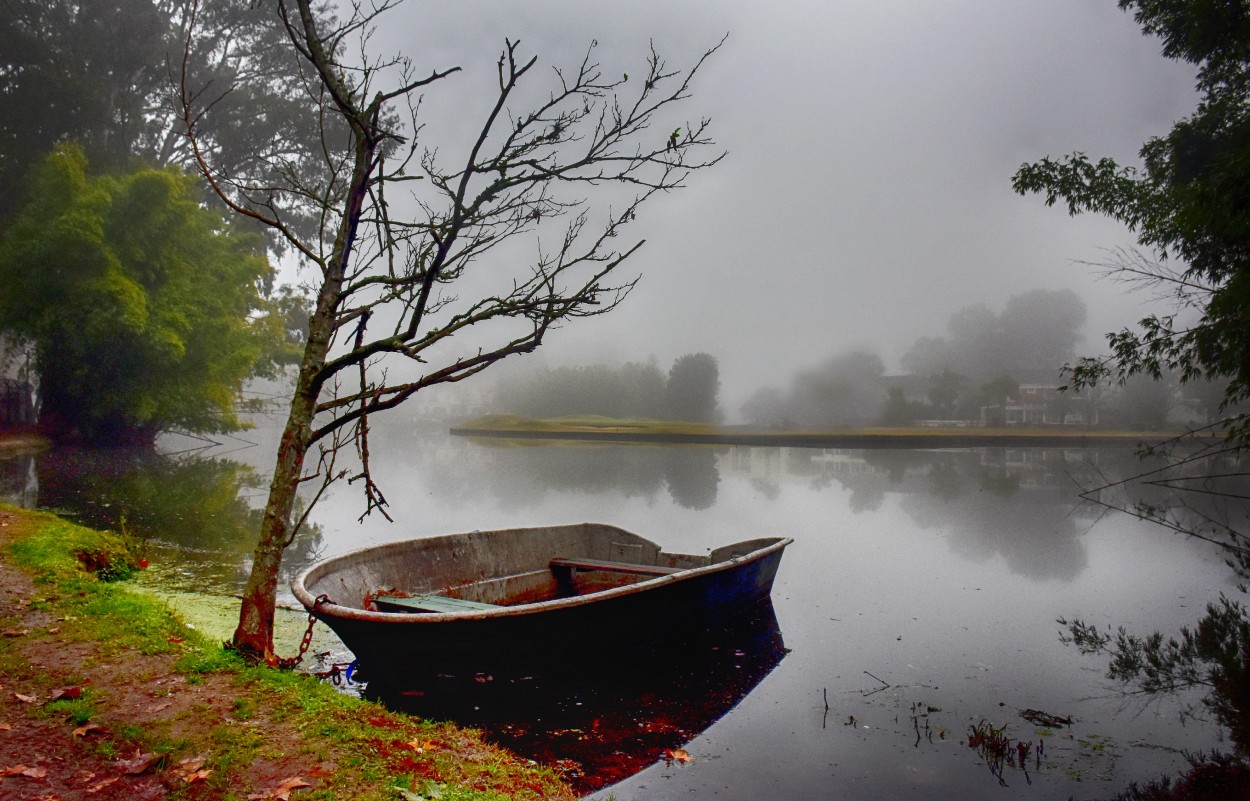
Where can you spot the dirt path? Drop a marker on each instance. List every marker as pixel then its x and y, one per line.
pixel 41 757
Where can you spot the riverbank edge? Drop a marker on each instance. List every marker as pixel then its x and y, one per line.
pixel 143 683
pixel 909 439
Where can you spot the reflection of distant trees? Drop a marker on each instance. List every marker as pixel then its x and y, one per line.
pixel 520 474
pixel 1015 503
pixel 692 476
pixel 19 483
pixel 199 505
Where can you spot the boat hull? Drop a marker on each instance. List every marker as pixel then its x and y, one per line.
pixel 550 634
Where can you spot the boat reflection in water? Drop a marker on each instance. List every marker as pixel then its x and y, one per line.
pixel 602 721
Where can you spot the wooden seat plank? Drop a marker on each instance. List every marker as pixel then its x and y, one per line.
pixel 615 567
pixel 432 603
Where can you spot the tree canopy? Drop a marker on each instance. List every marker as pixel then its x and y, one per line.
pixel 1188 203
pixel 693 389
pixel 1036 332
pixel 103 74
pixel 144 308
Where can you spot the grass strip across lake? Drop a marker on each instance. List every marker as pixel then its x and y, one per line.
pixel 590 428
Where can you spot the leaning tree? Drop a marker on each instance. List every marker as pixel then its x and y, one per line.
pixel 415 246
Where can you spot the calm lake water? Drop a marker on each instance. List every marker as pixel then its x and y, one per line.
pixel 918 600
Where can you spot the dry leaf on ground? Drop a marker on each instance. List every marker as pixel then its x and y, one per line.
pixel 283 791
pixel 22 770
pixel 83 731
pixel 138 764
pixel 102 785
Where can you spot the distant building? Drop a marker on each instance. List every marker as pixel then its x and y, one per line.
pixel 1048 405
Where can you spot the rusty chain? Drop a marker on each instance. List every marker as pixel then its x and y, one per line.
pixel 291 662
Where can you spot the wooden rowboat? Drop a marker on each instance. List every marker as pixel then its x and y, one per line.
pixel 527 598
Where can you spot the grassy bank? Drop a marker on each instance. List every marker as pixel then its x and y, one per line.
pixel 606 429
pixel 108 693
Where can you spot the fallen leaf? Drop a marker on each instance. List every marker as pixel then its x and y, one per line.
pixel 25 699
pixel 56 630
pixel 176 640
pixel 83 731
pixel 138 764
pixel 15 632
pixel 282 792
pixel 22 770
pixel 192 763
pixel 66 693
pixel 98 787
pixel 678 755
pixel 6 727
pixel 198 776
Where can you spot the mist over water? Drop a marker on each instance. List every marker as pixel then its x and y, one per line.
pixel 918 580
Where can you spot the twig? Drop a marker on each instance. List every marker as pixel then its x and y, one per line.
pixel 885 684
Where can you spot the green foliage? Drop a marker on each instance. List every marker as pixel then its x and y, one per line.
pixel 625 391
pixel 693 389
pixel 1215 655
pixel 146 310
pixel 1036 332
pixel 1190 201
pixel 62 551
pixel 98 74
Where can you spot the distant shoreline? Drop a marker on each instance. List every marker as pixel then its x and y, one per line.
pixel 659 432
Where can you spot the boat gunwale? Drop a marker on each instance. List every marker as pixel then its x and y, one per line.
pixel 333 609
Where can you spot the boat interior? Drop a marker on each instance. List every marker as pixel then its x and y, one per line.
pixel 481 570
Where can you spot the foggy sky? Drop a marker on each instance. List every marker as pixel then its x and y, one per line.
pixel 867 191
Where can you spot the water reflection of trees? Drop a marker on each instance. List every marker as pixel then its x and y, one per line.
pixel 200 507
pixel 1019 504
pixel 19 483
pixel 519 474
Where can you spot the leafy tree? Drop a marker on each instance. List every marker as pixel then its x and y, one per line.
pixel 1036 331
pixel 947 393
pixel 99 74
pixel 846 390
pixel 628 390
pixel 995 394
pixel 693 389
pixel 139 302
pixel 1190 201
pixel 767 406
pixel 898 411
pixel 387 310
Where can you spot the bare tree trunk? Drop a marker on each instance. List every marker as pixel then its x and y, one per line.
pixel 253 637
pixel 524 173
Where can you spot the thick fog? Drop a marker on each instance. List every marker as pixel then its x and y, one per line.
pixel 866 195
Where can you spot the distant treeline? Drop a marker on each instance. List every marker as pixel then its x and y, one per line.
pixel 689 391
pixel 990 368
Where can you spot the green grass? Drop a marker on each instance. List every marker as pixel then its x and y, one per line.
pixel 657 428
pixel 76 571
